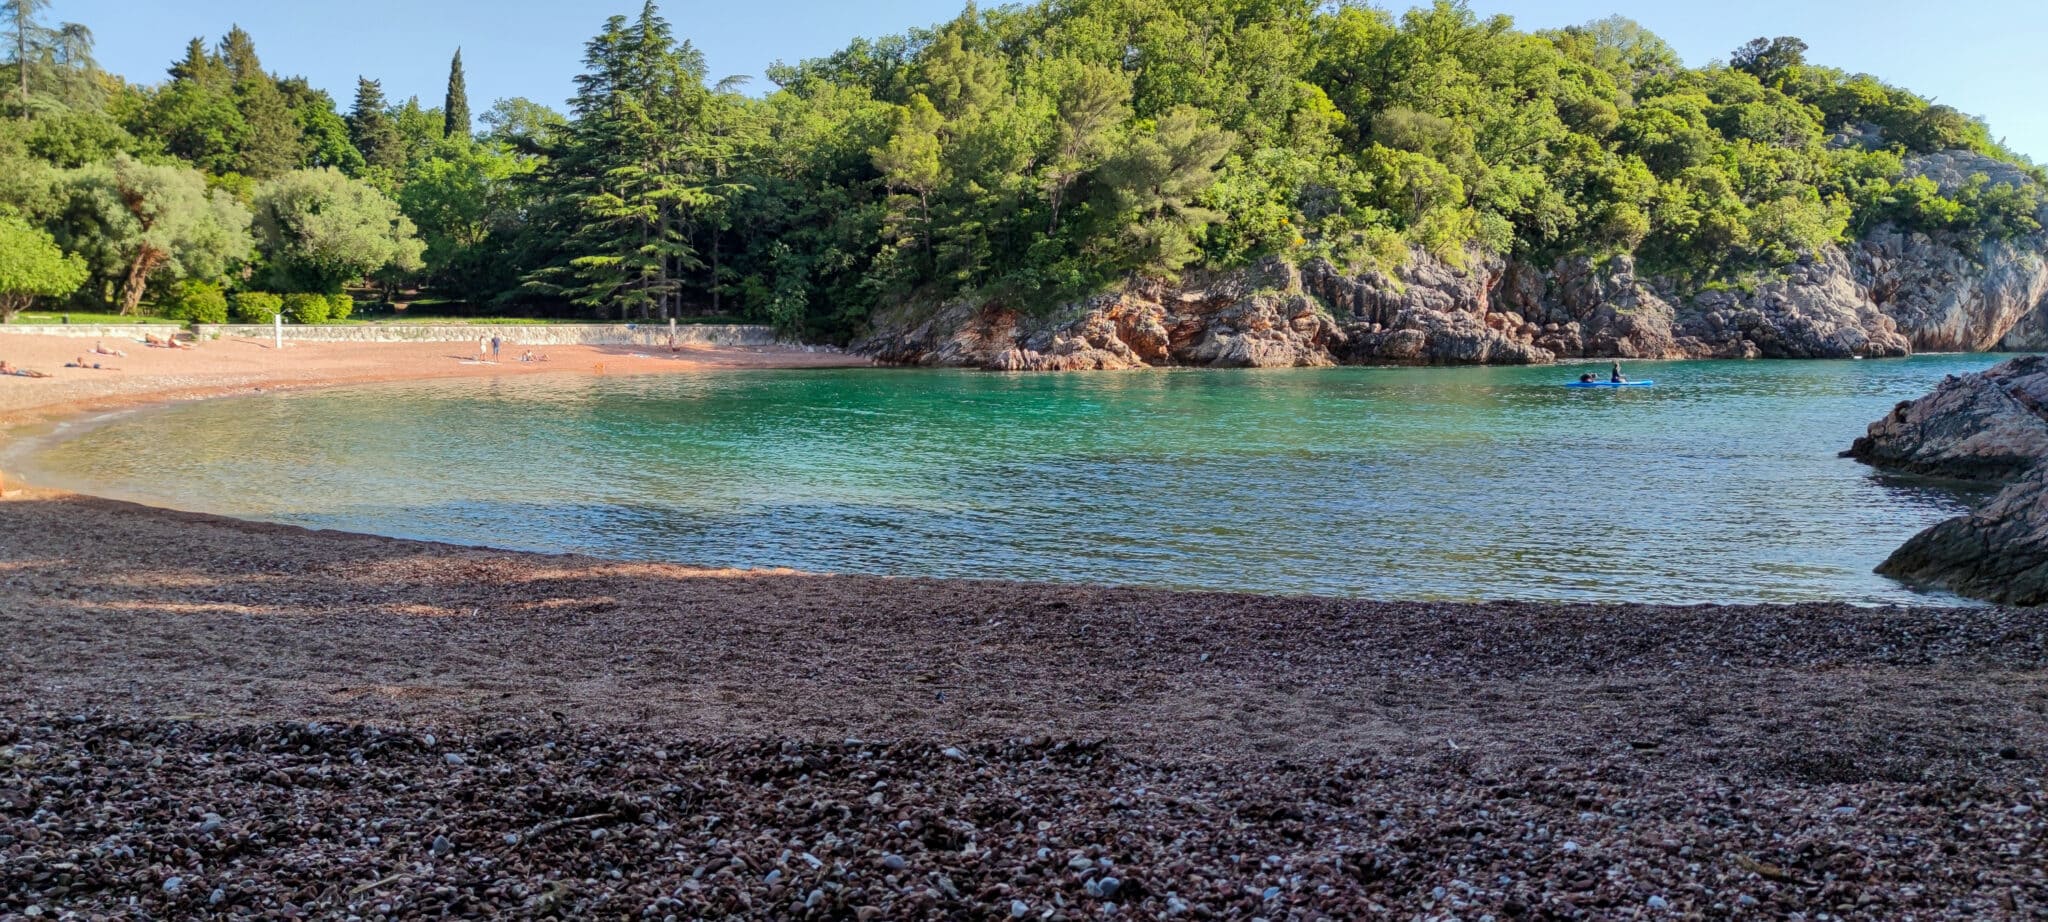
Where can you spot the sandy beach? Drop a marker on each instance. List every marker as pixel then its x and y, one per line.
pixel 203 717
pixel 230 366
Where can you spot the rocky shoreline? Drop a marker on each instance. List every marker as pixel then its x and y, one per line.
pixel 1890 293
pixel 207 718
pixel 1991 426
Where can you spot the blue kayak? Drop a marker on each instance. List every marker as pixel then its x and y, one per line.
pixel 1612 384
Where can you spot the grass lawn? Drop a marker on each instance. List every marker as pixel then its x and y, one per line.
pixel 78 317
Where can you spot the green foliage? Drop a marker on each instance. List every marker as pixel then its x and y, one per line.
pixel 32 266
pixel 370 128
pixel 133 221
pixel 257 306
pixel 455 107
pixel 302 307
pixel 196 301
pixel 1023 155
pixel 339 306
pixel 319 230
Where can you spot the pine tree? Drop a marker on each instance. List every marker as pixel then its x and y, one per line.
pixel 200 67
pixel 272 141
pixel 371 129
pixel 631 188
pixel 455 109
pixel 28 35
pixel 238 52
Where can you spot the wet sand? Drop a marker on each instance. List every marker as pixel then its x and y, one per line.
pixel 325 724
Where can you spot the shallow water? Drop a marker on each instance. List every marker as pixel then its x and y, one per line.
pixel 1720 485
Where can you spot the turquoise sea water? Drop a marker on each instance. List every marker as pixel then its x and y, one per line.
pixel 1720 485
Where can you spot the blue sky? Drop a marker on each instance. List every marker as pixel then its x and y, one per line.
pixel 1981 56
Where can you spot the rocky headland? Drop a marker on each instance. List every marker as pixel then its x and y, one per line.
pixel 1993 427
pixel 1889 293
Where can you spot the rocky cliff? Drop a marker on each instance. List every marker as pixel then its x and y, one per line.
pixel 1987 426
pixel 1891 293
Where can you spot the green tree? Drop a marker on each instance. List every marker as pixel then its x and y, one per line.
pixel 369 126
pixel 32 266
pixel 25 35
pixel 630 172
pixel 319 230
pixel 455 107
pixel 324 134
pixel 272 141
pixel 1153 183
pixel 911 167
pixel 133 220
pixel 1769 58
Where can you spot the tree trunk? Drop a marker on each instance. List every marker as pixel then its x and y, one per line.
pixel 145 263
pixel 21 53
pixel 714 271
pixel 11 305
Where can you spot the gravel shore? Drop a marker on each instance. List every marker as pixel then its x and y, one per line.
pixel 202 717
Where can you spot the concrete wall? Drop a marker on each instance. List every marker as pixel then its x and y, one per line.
pixel 551 334
pixel 120 331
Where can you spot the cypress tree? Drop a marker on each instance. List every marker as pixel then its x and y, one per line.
pixel 455 109
pixel 371 129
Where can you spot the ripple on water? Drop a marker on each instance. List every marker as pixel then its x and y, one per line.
pixel 1721 484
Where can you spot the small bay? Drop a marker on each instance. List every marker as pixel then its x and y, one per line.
pixel 1721 484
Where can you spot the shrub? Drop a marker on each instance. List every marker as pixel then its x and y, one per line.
pixel 340 306
pixel 257 306
pixel 306 308
pixel 195 301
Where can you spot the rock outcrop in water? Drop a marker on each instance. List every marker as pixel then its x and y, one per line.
pixel 1992 425
pixel 1891 293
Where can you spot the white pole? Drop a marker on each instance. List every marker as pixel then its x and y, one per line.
pixel 278 321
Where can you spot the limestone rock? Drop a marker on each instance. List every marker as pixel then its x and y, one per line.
pixel 1890 293
pixel 1987 426
pixel 1998 553
pixel 1992 425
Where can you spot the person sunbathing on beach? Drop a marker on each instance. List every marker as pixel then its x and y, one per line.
pixel 7 368
pixel 80 362
pixel 100 348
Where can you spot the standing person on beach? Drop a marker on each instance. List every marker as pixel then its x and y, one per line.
pixel 483 349
pixel 494 347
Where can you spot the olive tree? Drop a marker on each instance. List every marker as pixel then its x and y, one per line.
pixel 320 230
pixel 133 220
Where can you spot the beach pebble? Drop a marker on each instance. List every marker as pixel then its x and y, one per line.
pixel 174 885
pixel 894 862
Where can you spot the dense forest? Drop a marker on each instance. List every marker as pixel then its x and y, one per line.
pixel 1023 155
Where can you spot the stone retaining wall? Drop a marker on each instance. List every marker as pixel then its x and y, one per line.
pixel 94 330
pixel 552 334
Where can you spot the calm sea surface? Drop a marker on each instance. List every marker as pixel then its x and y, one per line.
pixel 1719 485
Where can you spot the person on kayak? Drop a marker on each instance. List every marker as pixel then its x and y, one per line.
pixel 1585 379
pixel 1614 375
